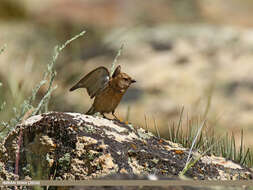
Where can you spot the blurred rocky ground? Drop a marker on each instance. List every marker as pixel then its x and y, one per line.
pixel 196 54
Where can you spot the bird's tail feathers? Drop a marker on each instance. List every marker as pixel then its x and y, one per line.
pixel 91 111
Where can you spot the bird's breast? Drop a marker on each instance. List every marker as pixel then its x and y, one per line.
pixel 107 100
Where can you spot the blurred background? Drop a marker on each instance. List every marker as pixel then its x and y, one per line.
pixel 191 54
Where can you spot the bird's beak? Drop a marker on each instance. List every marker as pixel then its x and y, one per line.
pixel 133 81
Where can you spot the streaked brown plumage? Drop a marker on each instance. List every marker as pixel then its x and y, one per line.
pixel 107 90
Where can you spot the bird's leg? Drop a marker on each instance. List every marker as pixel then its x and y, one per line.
pixel 104 116
pixel 113 113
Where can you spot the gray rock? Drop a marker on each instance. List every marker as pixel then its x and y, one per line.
pixel 73 146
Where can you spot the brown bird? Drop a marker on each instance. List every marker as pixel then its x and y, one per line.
pixel 107 90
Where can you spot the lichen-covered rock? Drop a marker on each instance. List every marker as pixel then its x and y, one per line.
pixel 68 146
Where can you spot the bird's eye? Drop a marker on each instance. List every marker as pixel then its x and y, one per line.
pixel 125 79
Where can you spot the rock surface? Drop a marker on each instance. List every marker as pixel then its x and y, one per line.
pixel 72 146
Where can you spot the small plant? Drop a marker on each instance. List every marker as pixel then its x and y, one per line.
pixel 2 104
pixel 116 59
pixel 28 104
pixel 207 141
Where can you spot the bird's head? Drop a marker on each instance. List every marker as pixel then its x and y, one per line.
pixel 121 81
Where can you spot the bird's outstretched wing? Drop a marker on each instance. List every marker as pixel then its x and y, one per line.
pixel 94 82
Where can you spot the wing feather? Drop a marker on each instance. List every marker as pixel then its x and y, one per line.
pixel 94 82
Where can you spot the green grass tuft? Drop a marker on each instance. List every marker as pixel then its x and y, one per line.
pixel 205 140
pixel 29 103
